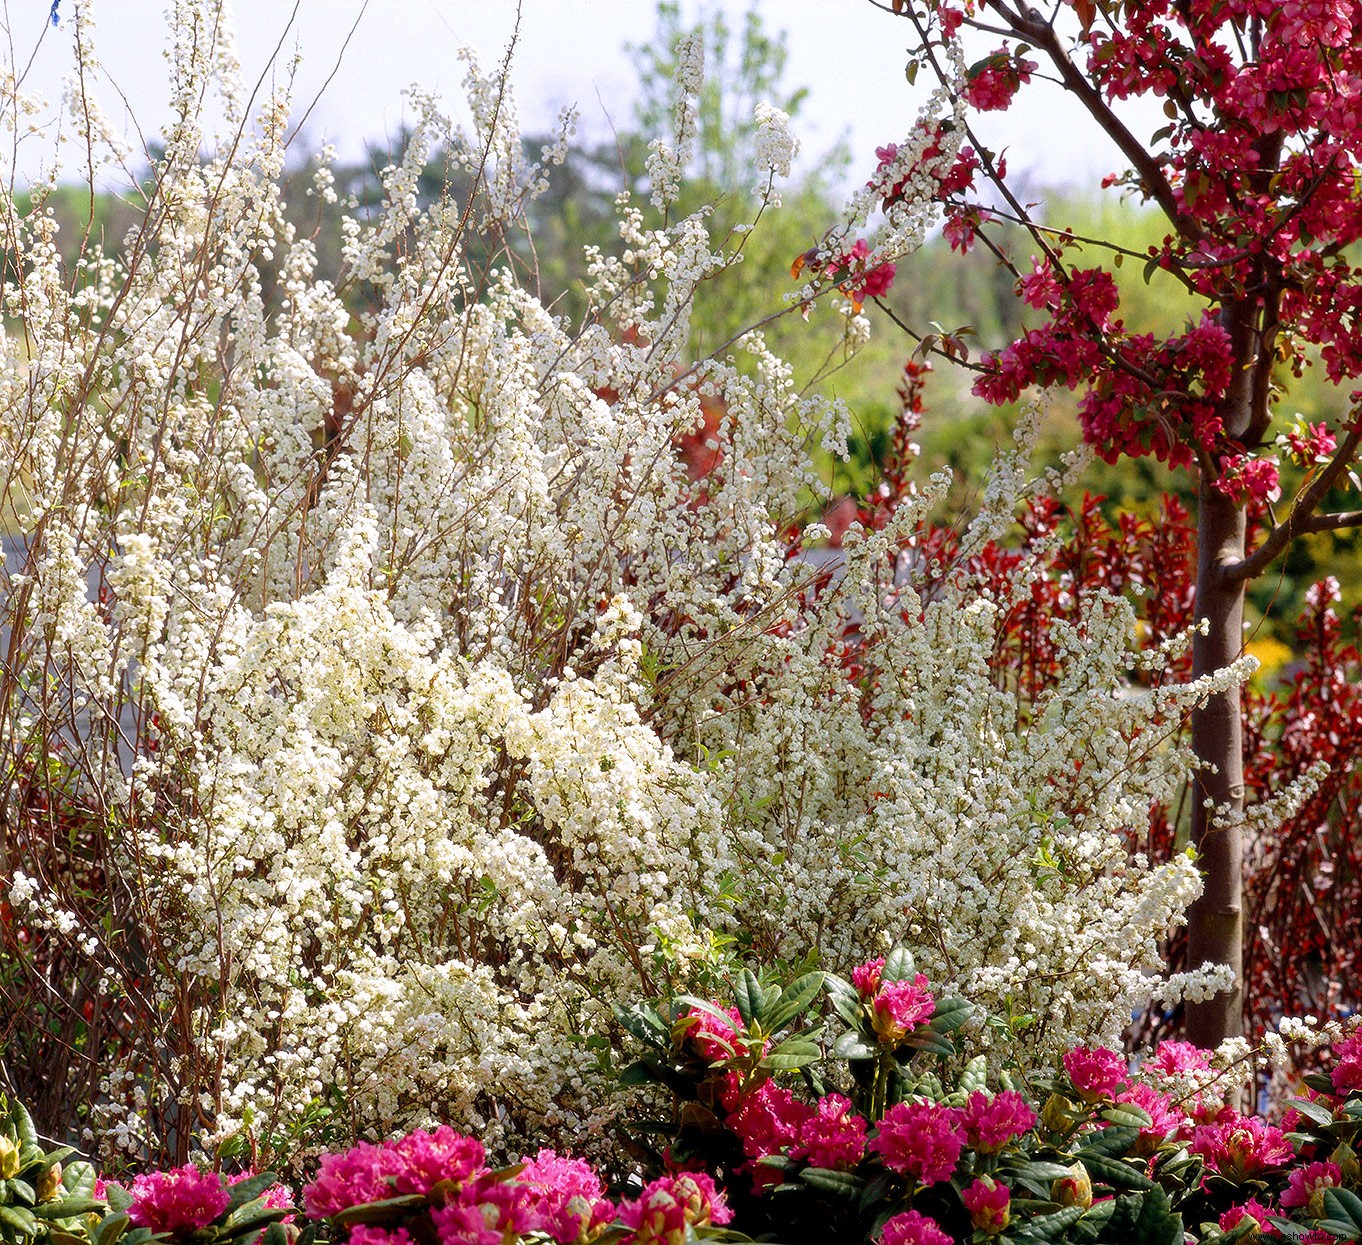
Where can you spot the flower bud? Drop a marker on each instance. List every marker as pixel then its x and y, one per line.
pixel 1057 1114
pixel 1074 1189
pixel 989 1204
pixel 9 1158
pixel 48 1184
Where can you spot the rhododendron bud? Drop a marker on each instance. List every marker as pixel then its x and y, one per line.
pixel 48 1184
pixel 9 1159
pixel 1074 1189
pixel 1345 1157
pixel 712 1036
pixel 1240 1148
pixel 989 1204
pixel 1058 1114
pixel 866 978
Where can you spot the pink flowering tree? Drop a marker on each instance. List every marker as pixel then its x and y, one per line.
pixel 1254 170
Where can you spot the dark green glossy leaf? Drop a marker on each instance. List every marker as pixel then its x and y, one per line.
pixel 796 999
pixel 950 1014
pixel 843 1184
pixel 1118 1174
pixel 1113 1141
pixel 248 1190
pixel 67 1207
pixel 899 965
pixel 389 1210
pixel 748 996
pixel 851 1045
pixel 792 1053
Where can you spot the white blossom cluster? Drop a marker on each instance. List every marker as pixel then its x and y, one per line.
pixel 432 707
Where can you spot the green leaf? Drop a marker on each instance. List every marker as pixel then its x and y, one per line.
pixel 1049 1227
pixel 975 1076
pixel 640 1072
pixel 111 1227
pixel 389 1210
pixel 24 1132
pixel 899 966
pixel 748 995
pixel 67 1207
pixel 1312 1111
pixel 851 1045
pixel 1115 1172
pixel 645 1024
pixel 20 1219
pixel 274 1235
pixel 59 1155
pixel 1112 1142
pixel 1129 1115
pixel 1344 1206
pixel 796 999
pixel 117 1197
pixel 950 1014
pixel 248 1190
pixel 935 1043
pixel 843 1184
pixel 794 1052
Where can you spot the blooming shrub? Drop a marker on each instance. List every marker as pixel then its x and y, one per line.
pixel 423 702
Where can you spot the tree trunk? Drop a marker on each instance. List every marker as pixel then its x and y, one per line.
pixel 1215 925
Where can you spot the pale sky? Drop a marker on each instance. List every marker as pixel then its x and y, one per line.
pixel 850 54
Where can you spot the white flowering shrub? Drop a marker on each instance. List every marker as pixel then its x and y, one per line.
pixel 422 703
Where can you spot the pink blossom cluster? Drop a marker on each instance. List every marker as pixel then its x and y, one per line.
pixel 712 1036
pixel 921 1140
pixel 662 1212
pixel 1241 1147
pixel 178 1201
pixel 913 1228
pixel 1347 1070
pixel 991 1121
pixel 896 1007
pixel 560 1197
pixel 994 81
pixel 1096 1072
pixel 771 1121
pixel 1248 478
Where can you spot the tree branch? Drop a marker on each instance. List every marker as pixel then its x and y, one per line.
pixel 1302 518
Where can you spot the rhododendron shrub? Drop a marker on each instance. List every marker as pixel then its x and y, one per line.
pixel 936 1146
pixel 1253 167
pixel 423 700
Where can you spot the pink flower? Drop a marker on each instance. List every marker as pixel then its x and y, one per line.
pixel 1174 1058
pixel 991 1122
pixel 832 1136
pixel 920 1140
pixel 1311 446
pixel 421 1160
pixel 1095 1072
pixel 178 1201
pixel 1164 1117
pixel 912 1228
pixel 276 1197
pixel 462 1223
pixel 1347 1072
pixel 1241 1147
pixel 713 1038
pixel 866 977
pixel 768 1121
pixel 360 1174
pixel 659 1215
pixel 900 1007
pixel 569 1201
pixel 368 1234
pixel 1253 1209
pixel 993 83
pixel 989 1204
pixel 1305 1186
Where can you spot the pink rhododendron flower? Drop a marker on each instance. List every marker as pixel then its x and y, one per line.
pixel 421 1160
pixel 913 1228
pixel 1347 1070
pixel 899 1007
pixel 1305 1186
pixel 1175 1058
pixel 991 1122
pixel 866 977
pixel 1253 1209
pixel 920 1140
pixel 1164 1117
pixel 178 1201
pixel 1241 1147
pixel 768 1120
pixel 711 1036
pixel 989 1204
pixel 659 1214
pixel 368 1234
pixel 358 1175
pixel 463 1223
pixel 1095 1071
pixel 569 1200
pixel 833 1136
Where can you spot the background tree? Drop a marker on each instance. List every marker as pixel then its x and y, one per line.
pixel 1254 173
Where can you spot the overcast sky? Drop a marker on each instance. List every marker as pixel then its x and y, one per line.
pixel 849 54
